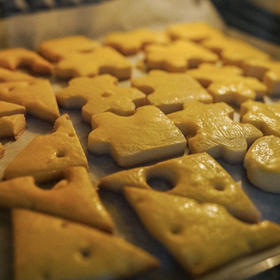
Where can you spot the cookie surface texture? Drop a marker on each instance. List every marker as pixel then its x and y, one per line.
pixel 210 128
pixel 145 136
pixel 99 94
pixel 80 252
pixel 7 75
pixel 201 236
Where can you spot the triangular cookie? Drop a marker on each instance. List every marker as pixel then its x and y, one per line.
pixel 7 109
pixel 12 126
pixel 51 248
pixel 46 156
pixel 13 76
pixel 200 236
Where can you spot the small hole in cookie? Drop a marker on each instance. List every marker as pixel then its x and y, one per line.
pixel 176 229
pixel 11 88
pixel 72 134
pixel 159 183
pixel 46 276
pixel 60 154
pixel 85 252
pixel 106 94
pixel 64 224
pixel 219 187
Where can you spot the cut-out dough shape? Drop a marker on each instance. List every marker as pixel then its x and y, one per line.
pixel 12 126
pixel 13 76
pixel 57 49
pixel 46 247
pixel 196 176
pixel 100 94
pixel 72 198
pixel 178 56
pixel 145 136
pixel 169 91
pixel 132 42
pixel 210 128
pixel 200 236
pixel 262 163
pixel 37 97
pixel 265 117
pixel 18 57
pixel 46 156
pixel 101 61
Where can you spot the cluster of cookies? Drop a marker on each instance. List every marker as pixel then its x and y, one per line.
pixel 193 74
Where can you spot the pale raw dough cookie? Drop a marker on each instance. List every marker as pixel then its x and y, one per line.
pixel 131 42
pixel 196 176
pixel 210 128
pixel 13 76
pixel 36 96
pixel 51 248
pixel 100 94
pixel 12 126
pixel 201 236
pixel 262 163
pixel 265 117
pixel 177 57
pixel 100 61
pixel 74 198
pixel 19 57
pixel 145 136
pixel 59 48
pixel 46 156
pixel 169 91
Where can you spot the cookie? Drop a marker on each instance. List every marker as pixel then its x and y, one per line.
pixel 36 96
pixel 46 156
pixel 265 117
pixel 12 126
pixel 210 128
pixel 177 57
pixel 7 109
pixel 2 150
pixel 131 42
pixel 100 61
pixel 201 236
pixel 57 49
pixel 145 136
pixel 46 247
pixel 262 163
pixel 168 91
pixel 7 75
pixel 19 57
pixel 73 198
pixel 99 94
pixel 196 176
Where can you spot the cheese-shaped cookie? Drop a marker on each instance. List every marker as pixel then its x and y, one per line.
pixel 12 126
pixel 7 75
pixel 262 163
pixel 177 57
pixel 7 109
pixel 100 61
pixel 168 91
pixel 46 247
pixel 36 96
pixel 46 156
pixel 131 42
pixel 210 128
pixel 201 236
pixel 145 136
pixel 73 198
pixel 19 57
pixel 196 176
pixel 99 94
pixel 57 49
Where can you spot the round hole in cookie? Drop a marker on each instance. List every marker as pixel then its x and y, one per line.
pixel 85 252
pixel 106 94
pixel 71 134
pixel 219 187
pixel 159 183
pixel 176 229
pixel 60 154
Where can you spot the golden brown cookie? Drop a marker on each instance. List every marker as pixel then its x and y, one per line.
pixel 46 247
pixel 46 156
pixel 7 75
pixel 145 136
pixel 210 128
pixel 168 91
pixel 57 49
pixel 2 150
pixel 12 126
pixel 7 109
pixel 201 236
pixel 99 94
pixel 196 176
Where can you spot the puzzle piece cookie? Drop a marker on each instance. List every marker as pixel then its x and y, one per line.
pixel 57 49
pixel 46 156
pixel 210 128
pixel 178 56
pixel 12 126
pixel 100 94
pixel 47 247
pixel 7 75
pixel 131 42
pixel 168 91
pixel 18 57
pixel 100 61
pixel 196 176
pixel 145 136
pixel 262 163
pixel 201 236
pixel 37 97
